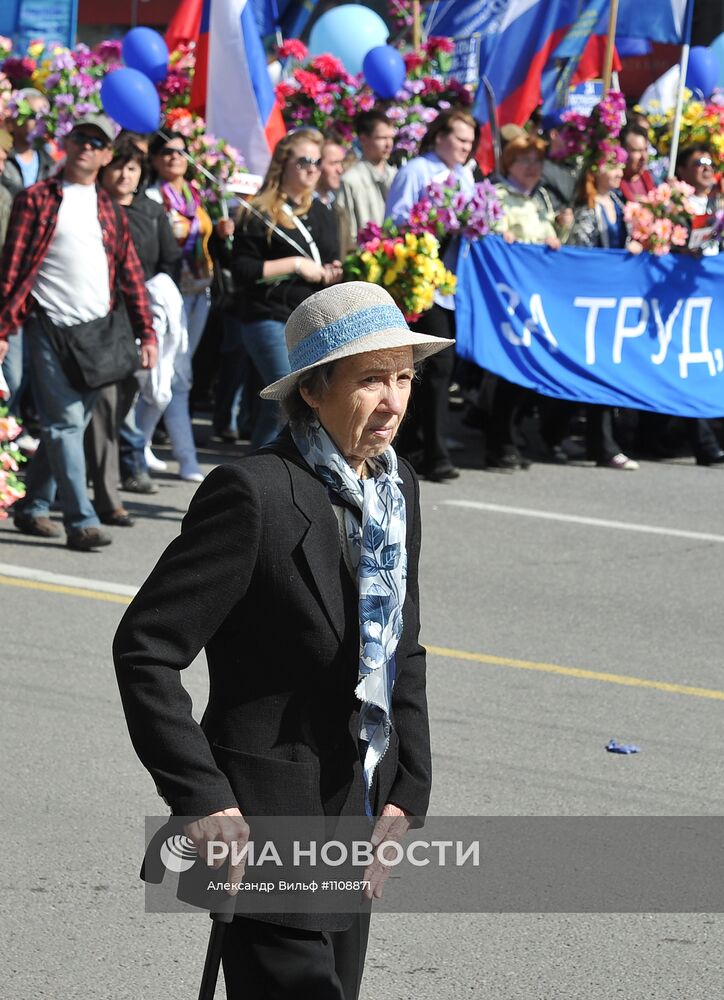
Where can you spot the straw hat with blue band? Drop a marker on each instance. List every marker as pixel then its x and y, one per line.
pixel 352 318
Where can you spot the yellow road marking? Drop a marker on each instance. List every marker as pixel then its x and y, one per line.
pixel 57 588
pixel 451 654
pixel 588 675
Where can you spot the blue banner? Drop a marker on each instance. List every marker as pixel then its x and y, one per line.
pixel 597 326
pixel 26 21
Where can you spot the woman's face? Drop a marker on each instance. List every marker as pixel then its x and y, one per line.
pixel 364 404
pixel 301 171
pixel 456 146
pixel 609 178
pixel 121 180
pixel 526 169
pixel 169 162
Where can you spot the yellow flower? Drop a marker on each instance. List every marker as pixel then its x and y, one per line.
pixel 374 272
pixel 35 49
pixel 390 275
pixel 411 241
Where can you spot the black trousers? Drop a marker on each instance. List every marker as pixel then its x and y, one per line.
pixel 269 962
pixel 426 421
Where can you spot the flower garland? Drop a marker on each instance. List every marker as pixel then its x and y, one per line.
pixel 445 209
pixel 11 489
pixel 406 264
pixel 662 218
pixel 592 138
pixel 320 93
pixel 701 122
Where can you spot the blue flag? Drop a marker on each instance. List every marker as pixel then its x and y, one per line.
pixel 658 20
pixel 597 326
pixel 557 76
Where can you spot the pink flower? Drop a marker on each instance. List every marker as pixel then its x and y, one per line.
pixel 680 236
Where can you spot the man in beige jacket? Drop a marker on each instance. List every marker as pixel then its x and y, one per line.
pixel 366 184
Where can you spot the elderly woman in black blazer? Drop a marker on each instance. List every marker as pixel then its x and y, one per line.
pixel 296 569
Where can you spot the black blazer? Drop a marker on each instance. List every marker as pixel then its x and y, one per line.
pixel 257 577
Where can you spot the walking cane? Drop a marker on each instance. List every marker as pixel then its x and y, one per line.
pixel 213 954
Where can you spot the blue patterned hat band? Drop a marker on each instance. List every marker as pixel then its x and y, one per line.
pixel 343 331
pixel 353 317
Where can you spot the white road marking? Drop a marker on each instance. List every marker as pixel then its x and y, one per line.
pixel 61 580
pixel 593 522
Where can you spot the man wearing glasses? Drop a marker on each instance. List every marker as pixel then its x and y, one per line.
pixel 68 252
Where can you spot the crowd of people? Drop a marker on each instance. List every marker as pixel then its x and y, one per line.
pixel 108 229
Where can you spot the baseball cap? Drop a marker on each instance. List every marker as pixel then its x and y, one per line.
pixel 99 121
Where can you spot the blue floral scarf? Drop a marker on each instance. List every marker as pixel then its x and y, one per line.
pixel 380 558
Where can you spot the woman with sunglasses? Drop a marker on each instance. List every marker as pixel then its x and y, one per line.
pixel 286 247
pixel 192 228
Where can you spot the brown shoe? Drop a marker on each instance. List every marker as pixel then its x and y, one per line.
pixel 85 539
pixel 42 527
pixel 119 518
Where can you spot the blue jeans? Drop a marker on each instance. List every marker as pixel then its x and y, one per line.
pixel 265 344
pixel 64 414
pixel 13 371
pixel 232 399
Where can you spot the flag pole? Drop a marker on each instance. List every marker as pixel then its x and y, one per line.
pixel 416 26
pixel 610 46
pixel 679 112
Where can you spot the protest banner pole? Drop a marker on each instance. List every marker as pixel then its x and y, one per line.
pixel 610 46
pixel 679 111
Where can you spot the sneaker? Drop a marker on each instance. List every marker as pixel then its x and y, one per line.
pixel 619 461
pixel 191 475
pixel 42 527
pixel 155 464
pixel 85 539
pixel 142 483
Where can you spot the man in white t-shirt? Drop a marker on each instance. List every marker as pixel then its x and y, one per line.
pixel 68 250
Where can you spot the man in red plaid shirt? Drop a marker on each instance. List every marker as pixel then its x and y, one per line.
pixel 68 250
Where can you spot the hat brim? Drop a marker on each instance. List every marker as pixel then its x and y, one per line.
pixel 423 346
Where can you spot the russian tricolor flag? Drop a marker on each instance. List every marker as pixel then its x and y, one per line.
pixel 231 82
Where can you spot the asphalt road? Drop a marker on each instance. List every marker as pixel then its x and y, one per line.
pixel 590 602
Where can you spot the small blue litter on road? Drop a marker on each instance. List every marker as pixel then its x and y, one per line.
pixel 613 746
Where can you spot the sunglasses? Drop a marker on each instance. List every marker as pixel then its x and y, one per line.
pixel 85 139
pixel 307 163
pixel 703 161
pixel 170 151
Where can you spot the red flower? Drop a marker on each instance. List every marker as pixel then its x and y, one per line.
pixel 432 85
pixel 176 115
pixel 413 61
pixel 292 48
pixel 284 90
pixel 309 82
pixel 436 44
pixel 329 67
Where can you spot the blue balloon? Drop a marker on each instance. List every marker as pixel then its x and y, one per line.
pixel 145 50
pixel 626 46
pixel 717 50
pixel 130 98
pixel 703 71
pixel 384 70
pixel 348 32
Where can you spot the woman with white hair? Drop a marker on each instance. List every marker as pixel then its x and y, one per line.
pixel 296 569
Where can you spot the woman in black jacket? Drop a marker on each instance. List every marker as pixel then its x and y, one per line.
pixel 158 253
pixel 285 248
